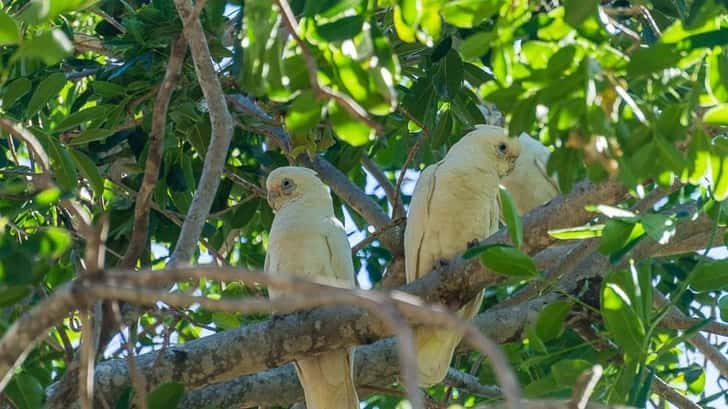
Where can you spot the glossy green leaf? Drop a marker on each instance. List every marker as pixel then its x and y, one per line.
pixel 617 234
pixel 623 323
pixel 14 91
pixel 449 78
pixel 64 169
pixel 47 89
pixel 723 307
pixel 225 320
pixel 566 372
pixel 90 135
pixel 341 29
pixel 304 114
pixel 511 217
pixel 166 396
pixel 49 46
pixel 550 322
pixel 404 31
pixel 577 233
pixel 25 392
pixel 577 11
pixel 9 32
pixel 82 116
pixel 88 170
pixel 508 261
pixel 717 76
pixel 719 167
pixel 718 115
pixel 534 341
pixel 349 129
pixel 652 59
pixel 710 276
pixel 468 13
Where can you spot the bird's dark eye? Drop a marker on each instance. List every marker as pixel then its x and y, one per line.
pixel 502 147
pixel 287 184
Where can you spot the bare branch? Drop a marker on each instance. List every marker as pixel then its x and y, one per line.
pixel 155 150
pixel 222 132
pixel 389 190
pixel 664 390
pixel 410 155
pixel 585 384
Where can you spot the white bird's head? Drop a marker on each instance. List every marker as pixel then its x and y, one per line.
pixel 290 184
pixel 492 145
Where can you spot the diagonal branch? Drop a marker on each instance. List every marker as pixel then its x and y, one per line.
pixel 222 132
pixel 143 203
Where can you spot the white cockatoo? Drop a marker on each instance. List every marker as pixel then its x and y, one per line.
pixel 529 184
pixel 455 201
pixel 306 239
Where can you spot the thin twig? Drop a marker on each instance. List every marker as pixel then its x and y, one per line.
pixel 373 236
pixel 87 352
pixel 381 178
pixel 321 90
pixel 426 134
pixel 101 13
pixel 250 186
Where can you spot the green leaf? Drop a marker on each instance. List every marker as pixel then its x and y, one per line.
pixel 244 214
pixel 25 391
pixel 616 235
pixel 449 77
pixel 404 31
pixel 475 45
pixel 349 129
pixel 411 11
pixel 9 32
pixel 508 260
pixel 468 13
pixel 621 319
pixel 567 371
pixel 90 135
pixel 550 322
pixel 718 115
pixel 341 29
pixel 14 91
pixel 54 241
pixel 723 306
pixel 511 217
pixel 304 114
pixel 576 233
pixel 717 76
pixel 646 61
pixel 12 294
pixel 64 171
pixel 719 167
pixel 579 10
pixel 534 341
pixel 225 320
pixel 699 156
pixel 50 46
pixel 47 197
pixel 107 89
pixel 89 171
pixel 695 379
pixel 47 89
pixel 659 227
pixel 166 396
pixel 80 117
pixel 710 276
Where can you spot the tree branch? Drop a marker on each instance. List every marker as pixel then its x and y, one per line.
pixel 222 132
pixel 138 239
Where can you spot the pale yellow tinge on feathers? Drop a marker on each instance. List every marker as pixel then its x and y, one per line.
pixel 306 239
pixel 454 202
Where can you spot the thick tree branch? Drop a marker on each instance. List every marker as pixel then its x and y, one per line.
pixel 222 132
pixel 664 390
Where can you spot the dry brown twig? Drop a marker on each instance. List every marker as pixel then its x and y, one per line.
pixel 322 91
pixel 389 190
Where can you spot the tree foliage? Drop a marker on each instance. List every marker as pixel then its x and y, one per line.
pixel 635 92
